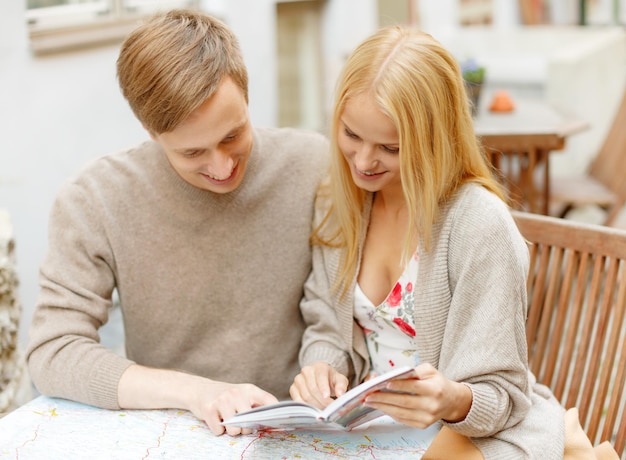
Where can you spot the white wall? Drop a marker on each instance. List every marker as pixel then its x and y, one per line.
pixel 56 113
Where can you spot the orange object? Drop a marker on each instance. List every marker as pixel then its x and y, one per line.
pixel 502 102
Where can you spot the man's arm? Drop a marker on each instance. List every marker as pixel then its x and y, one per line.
pixel 142 387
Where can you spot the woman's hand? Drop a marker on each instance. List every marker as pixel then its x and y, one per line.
pixel 424 400
pixel 315 384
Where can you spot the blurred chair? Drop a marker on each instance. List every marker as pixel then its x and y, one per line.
pixel 604 184
pixel 576 326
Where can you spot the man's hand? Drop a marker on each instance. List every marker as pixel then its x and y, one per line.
pixel 211 401
pixel 218 401
pixel 315 384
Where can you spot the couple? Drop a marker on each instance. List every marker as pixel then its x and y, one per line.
pixel 209 231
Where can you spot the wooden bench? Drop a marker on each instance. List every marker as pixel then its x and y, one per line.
pixel 576 326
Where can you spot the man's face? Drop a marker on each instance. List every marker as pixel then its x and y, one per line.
pixel 210 149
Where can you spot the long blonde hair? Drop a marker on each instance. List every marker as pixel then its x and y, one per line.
pixel 418 84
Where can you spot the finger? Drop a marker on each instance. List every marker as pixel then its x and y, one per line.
pixel 309 389
pixel 257 397
pixel 295 393
pixel 300 389
pixel 425 371
pixel 214 422
pixel 233 430
pixel 340 384
pixel 322 381
pixel 410 386
pixel 406 416
pixel 262 398
pixel 404 400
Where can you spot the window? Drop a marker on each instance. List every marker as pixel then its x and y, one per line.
pixel 300 99
pixel 61 24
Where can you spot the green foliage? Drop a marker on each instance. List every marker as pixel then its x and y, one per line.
pixel 472 72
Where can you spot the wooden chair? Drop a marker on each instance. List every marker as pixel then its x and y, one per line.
pixel 604 184
pixel 576 326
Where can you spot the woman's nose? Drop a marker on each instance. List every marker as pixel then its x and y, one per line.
pixel 364 157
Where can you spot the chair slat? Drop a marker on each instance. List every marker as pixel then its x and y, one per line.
pixel 569 344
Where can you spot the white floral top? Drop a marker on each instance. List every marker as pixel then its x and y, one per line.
pixel 390 328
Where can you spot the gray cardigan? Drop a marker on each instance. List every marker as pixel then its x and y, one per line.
pixel 470 315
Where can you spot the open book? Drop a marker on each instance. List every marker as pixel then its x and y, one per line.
pixel 344 413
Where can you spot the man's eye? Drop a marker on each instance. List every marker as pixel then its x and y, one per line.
pixel 231 138
pixel 192 154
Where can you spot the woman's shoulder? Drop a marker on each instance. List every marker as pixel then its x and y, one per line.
pixel 477 214
pixel 474 205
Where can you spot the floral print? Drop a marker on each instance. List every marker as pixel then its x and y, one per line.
pixel 404 327
pixel 390 327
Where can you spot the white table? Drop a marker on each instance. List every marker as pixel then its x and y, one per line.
pixel 49 428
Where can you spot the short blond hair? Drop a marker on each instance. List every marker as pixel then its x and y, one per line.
pixel 171 64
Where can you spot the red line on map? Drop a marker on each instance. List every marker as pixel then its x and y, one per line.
pixel 160 437
pixel 262 434
pixel 34 438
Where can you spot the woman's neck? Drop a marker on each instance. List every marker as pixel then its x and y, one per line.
pixel 391 205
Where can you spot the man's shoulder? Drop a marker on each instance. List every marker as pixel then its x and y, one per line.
pixel 110 171
pixel 143 153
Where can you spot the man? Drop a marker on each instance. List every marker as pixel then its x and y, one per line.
pixel 202 231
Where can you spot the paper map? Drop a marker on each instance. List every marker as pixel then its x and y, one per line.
pixel 49 428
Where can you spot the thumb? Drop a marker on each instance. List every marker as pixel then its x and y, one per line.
pixel 424 371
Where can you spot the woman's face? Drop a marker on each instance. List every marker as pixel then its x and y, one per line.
pixel 370 144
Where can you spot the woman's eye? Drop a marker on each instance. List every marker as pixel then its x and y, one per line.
pixel 390 149
pixel 350 134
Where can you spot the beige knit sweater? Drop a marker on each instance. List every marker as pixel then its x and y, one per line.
pixel 209 284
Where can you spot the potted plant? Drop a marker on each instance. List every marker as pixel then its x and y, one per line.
pixel 474 77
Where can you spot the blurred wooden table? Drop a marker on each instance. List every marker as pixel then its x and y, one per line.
pixel 519 144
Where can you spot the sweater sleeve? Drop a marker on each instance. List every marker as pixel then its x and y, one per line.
pixel 322 339
pixel 77 279
pixel 485 342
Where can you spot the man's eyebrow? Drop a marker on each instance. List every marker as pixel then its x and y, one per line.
pixel 188 149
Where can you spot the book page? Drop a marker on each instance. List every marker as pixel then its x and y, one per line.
pixel 348 410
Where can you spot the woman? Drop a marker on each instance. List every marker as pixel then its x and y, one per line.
pixel 418 261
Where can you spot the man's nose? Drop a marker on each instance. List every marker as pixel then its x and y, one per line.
pixel 220 164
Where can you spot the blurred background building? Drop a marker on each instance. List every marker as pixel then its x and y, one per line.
pixel 60 105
